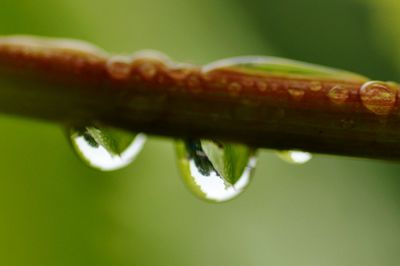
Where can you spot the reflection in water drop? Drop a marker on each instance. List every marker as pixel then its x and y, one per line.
pixel 338 94
pixel 379 97
pixel 315 86
pixel 261 85
pixel 147 70
pixel 297 94
pixel 295 157
pixel 199 161
pixel 235 88
pixel 119 67
pixel 107 149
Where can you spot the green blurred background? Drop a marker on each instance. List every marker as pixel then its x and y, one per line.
pixel 331 211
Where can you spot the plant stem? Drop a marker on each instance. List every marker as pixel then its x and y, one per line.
pixel 46 80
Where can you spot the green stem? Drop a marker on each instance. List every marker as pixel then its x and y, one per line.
pixel 47 80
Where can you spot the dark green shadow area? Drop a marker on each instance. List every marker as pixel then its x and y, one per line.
pixel 335 33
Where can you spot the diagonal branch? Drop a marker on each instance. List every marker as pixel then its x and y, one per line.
pixel 78 83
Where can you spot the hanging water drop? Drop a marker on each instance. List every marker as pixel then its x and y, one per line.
pixel 104 148
pixel 295 157
pixel 215 171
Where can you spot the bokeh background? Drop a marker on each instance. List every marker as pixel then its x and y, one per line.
pixel 332 211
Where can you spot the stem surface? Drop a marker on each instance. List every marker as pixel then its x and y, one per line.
pixel 60 83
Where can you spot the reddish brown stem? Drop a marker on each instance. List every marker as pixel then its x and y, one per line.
pixel 153 96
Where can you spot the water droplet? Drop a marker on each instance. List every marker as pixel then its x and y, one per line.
pixel 296 94
pixel 147 70
pixel 149 63
pixel 338 94
pixel 154 55
pixel 378 97
pixel 234 88
pixel 215 171
pixel 119 67
pixel 295 157
pixel 105 148
pixel 178 74
pixel 315 86
pixel 261 85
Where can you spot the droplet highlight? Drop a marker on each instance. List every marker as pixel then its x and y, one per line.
pixel 338 94
pixel 378 97
pixel 147 70
pixel 119 67
pixel 262 86
pixel 105 148
pixel 315 86
pixel 152 55
pixel 214 171
pixel 296 94
pixel 295 157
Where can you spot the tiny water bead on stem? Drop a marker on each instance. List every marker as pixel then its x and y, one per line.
pixel 379 97
pixel 259 101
